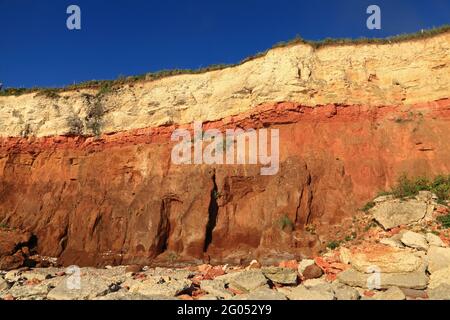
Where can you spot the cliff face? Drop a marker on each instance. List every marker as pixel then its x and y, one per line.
pixel 351 120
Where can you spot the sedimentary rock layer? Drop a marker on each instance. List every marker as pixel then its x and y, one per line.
pixel 120 199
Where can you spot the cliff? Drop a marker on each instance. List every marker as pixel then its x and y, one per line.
pixel 351 119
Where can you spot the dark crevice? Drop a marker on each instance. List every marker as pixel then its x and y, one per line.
pixel 212 214
pixel 164 226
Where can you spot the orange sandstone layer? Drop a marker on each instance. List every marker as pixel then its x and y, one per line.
pixel 120 200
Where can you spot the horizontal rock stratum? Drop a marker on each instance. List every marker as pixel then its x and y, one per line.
pixel 351 118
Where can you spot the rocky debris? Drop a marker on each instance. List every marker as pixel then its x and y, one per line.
pixel 244 281
pixel 414 293
pixel 393 293
pixel 441 292
pixel 395 212
pixel 254 264
pixel 414 240
pixel 434 240
pixel 344 292
pixel 279 275
pixel 261 294
pixel 302 293
pixel 312 271
pixel 438 258
pixel 216 288
pixel 384 259
pixel 14 249
pixel 412 280
pixel 303 264
pixel 439 277
pixel 3 284
pixel 164 286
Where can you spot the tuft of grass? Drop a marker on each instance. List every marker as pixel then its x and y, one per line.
pixel 333 244
pixel 410 187
pixel 98 84
pixel 50 93
pixel 285 222
pixel 369 205
pixel 445 221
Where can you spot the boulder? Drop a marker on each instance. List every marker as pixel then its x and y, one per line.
pixel 344 292
pixel 245 281
pixel 281 275
pixel 303 264
pixel 261 294
pixel 302 293
pixel 386 259
pixel 216 288
pixel 413 280
pixel 312 272
pixel 3 284
pixel 156 286
pixel 434 240
pixel 396 212
pixel 393 293
pixel 414 240
pixel 441 292
pixel 84 287
pixel 439 277
pixel 438 258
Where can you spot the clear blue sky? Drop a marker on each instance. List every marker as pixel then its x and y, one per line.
pixel 136 36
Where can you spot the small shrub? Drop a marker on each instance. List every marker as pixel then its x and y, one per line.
pixel 285 222
pixel 333 244
pixel 94 117
pixel 369 205
pixel 75 125
pixel 49 93
pixel 445 221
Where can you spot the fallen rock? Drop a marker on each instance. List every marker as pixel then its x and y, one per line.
pixel 434 240
pixel 392 242
pixel 303 264
pixel 344 292
pixel 314 282
pixel 134 268
pixel 290 264
pixel 302 293
pixel 393 293
pixel 414 240
pixel 439 277
pixel 441 292
pixel 393 213
pixel 158 286
pixel 216 288
pixel 124 295
pixel 414 293
pixel 3 284
pixel 245 281
pixel 84 287
pixel 438 258
pixel 281 275
pixel 384 259
pixel 413 280
pixel 261 294
pixel 312 272
pixel 254 264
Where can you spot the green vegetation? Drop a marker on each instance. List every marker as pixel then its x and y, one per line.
pixel 444 220
pixel 75 125
pixel 4 226
pixel 369 205
pixel 99 84
pixel 333 244
pixel 285 222
pixel 410 187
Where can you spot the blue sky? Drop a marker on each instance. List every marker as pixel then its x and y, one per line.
pixel 136 36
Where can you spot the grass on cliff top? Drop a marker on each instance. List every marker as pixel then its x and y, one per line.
pixel 98 84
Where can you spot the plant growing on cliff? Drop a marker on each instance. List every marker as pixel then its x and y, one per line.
pixel 94 117
pixel 286 223
pixel 75 125
pixel 444 220
pixel 409 187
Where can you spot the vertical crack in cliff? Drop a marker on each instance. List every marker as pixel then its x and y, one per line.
pixel 164 226
pixel 212 214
